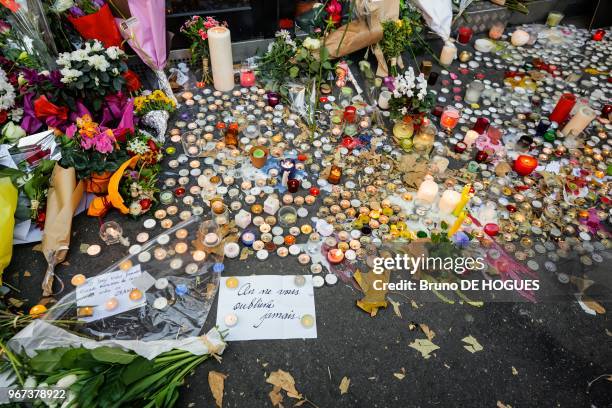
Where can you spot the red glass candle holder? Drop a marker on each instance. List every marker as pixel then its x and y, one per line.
pixel 350 113
pixel 599 35
pixel 606 111
pixel 460 147
pixel 481 156
pixel 481 125
pixel 563 108
pixel 273 99
pixel 437 110
pixel 293 185
pixel 464 35
pixel 525 164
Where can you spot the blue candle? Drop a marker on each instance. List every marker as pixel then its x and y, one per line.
pixel 248 238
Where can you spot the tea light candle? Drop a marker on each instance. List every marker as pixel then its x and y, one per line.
pixel 111 304
pixel 211 239
pixel 248 238
pixel 231 250
pixel 78 279
pixel 335 256
pixel 94 250
pixel 199 256
pixel 221 61
pixel 448 201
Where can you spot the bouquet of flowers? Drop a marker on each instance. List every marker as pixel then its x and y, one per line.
pixel 410 96
pixel 153 101
pixel 93 72
pixel 279 63
pixel 196 30
pixel 93 19
pixel 154 108
pixel 398 36
pixel 93 151
pixel 132 188
pixel 7 95
pixel 323 14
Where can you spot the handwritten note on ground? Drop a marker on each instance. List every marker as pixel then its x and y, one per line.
pixel 96 291
pixel 268 307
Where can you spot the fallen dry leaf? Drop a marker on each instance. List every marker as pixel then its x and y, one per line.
pixel 424 346
pixel 609 378
pixel 400 375
pixel 514 371
pixel 608 332
pixel 472 344
pixel 411 326
pixel 216 382
pixel 344 385
pixel 428 332
pixel 276 397
pixel 27 274
pixel 37 247
pixel 300 403
pixel 413 304
pixel 396 308
pixel 15 302
pixel 502 405
pixel 284 380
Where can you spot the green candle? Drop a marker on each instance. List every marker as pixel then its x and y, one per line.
pixel 258 153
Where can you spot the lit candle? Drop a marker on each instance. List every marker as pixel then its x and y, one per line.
pixel 583 117
pixel 248 238
pixel 335 256
pixel 470 137
pixel 449 51
pixel 458 222
pixel 428 190
pixel 211 239
pixel 465 197
pixel 221 61
pixel 449 200
pixel 247 75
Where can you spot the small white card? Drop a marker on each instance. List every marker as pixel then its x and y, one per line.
pixel 96 291
pixel 268 307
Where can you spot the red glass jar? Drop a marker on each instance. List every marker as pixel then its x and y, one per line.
pixel 293 185
pixel 563 108
pixel 464 35
pixel 481 125
pixel 273 99
pixel 460 147
pixel 437 110
pixel 350 114
pixel 599 35
pixel 606 111
pixel 481 156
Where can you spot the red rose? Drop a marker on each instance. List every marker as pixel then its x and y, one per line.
pixel 132 81
pixel 145 203
pixel 3 116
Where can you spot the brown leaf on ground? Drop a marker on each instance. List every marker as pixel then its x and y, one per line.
pixel 276 397
pixel 37 247
pixel 27 274
pixel 472 344
pixel 400 375
pixel 514 371
pixel 428 332
pixel 344 385
pixel 502 405
pixel 424 346
pixel 216 382
pixel 413 304
pixel 300 403
pixel 284 380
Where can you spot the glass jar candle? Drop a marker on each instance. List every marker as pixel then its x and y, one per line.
pixel 273 99
pixel 350 114
pixel 497 30
pixel 554 18
pixel 563 108
pixel 433 78
pixel 335 174
pixel 449 118
pixel 464 35
pixel 481 125
pixel 293 185
pixel 473 91
pixel 247 74
pixel 598 35
pixel 448 53
pixel 346 96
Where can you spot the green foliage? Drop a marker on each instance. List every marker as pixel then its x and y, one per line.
pixel 87 162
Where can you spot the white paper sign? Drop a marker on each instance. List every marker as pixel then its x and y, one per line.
pixel 267 307
pixel 96 291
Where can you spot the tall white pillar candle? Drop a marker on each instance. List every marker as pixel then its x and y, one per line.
pixel 579 121
pixel 221 61
pixel 383 99
pixel 448 54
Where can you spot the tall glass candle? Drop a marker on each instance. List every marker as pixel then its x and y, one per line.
pixel 481 125
pixel 554 18
pixel 221 61
pixel 247 75
pixel 563 108
pixel 448 54
pixel 579 121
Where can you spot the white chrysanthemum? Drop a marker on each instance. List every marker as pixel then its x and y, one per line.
pixel 16 115
pixel 64 59
pixel 97 46
pixel 137 146
pixel 98 62
pixel 7 92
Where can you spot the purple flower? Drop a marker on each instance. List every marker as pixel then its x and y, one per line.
pixel 76 11
pixel 55 77
pixel 4 27
pixel 99 3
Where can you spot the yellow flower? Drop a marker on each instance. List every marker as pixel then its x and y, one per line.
pixel 399 23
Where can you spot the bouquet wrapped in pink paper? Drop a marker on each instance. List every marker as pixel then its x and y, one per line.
pixel 145 31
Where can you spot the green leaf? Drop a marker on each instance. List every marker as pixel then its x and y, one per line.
pixel 294 71
pixel 112 355
pixel 47 361
pixel 89 392
pixel 137 369
pixel 79 358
